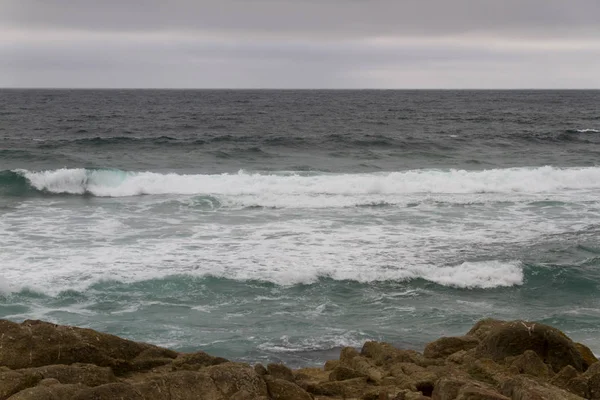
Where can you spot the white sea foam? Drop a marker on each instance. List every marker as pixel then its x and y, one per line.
pixel 588 130
pixel 483 274
pixel 324 190
pixel 5 287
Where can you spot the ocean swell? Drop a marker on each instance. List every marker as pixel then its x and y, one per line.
pixel 117 183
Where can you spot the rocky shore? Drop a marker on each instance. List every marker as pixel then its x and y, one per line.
pixel 495 360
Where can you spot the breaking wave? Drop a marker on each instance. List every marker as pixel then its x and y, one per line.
pixel 117 183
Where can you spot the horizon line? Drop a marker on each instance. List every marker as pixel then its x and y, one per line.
pixel 283 88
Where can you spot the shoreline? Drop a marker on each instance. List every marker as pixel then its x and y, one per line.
pixel 495 360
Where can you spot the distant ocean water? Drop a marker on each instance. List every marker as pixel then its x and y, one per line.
pixel 282 225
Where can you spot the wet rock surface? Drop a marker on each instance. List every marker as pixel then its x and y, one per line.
pixel 495 360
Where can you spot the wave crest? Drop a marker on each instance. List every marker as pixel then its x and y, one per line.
pixel 389 186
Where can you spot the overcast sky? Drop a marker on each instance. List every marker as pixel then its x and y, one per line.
pixel 300 43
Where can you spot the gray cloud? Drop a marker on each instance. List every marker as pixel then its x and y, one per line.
pixel 285 43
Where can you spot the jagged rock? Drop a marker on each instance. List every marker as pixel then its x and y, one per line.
pixel 331 364
pixel 594 386
pixel 405 368
pixel 447 388
pixel 514 338
pixel 425 382
pixel 12 382
pixel 87 374
pixel 244 395
pixel 195 361
pixel 564 376
pixel 180 385
pixel 488 371
pixel 347 354
pixel 408 395
pixel 310 376
pixel 476 392
pixel 579 386
pixel 385 354
pixel 110 391
pixel 483 327
pixel 446 346
pixel 399 382
pixel 530 363
pixel 349 388
pixel 260 369
pixel 49 392
pixel 280 371
pixel 586 353
pixel 592 370
pixel 282 389
pixel 523 388
pixel 49 382
pixel 366 367
pixel 232 377
pixel 341 373
pixel 38 343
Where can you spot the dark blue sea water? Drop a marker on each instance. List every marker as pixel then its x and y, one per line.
pixel 281 225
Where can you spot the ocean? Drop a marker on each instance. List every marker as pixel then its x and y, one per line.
pixel 282 225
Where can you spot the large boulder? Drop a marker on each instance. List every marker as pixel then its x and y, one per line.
pixel 282 389
pixel 443 347
pixel 195 361
pixel 49 392
pixel 231 378
pixel 516 337
pixel 522 388
pixel 180 385
pixel 38 343
pixel 12 382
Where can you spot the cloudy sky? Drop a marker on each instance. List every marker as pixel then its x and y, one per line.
pixel 300 43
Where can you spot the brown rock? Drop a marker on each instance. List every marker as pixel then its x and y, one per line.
pixel 523 388
pixel 447 388
pixel 399 382
pixel 350 388
pixel 588 356
pixel 260 369
pixel 530 363
pixel 367 367
pixel 408 395
pixel 594 386
pixel 425 382
pixel 347 354
pixel 488 371
pixel 195 361
pixel 49 392
pixel 476 392
pixel 564 376
pixel 244 395
pixel 341 373
pixel 385 354
pixel 405 368
pixel 514 338
pixel 12 382
pixel 331 364
pixel 306 376
pixel 446 346
pixel 86 374
pixel 280 371
pixel 37 343
pixel 282 389
pixel 180 385
pixel 232 377
pixel 578 386
pixel 110 391
pixel 482 328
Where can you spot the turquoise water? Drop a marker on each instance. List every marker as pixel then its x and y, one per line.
pixel 281 226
